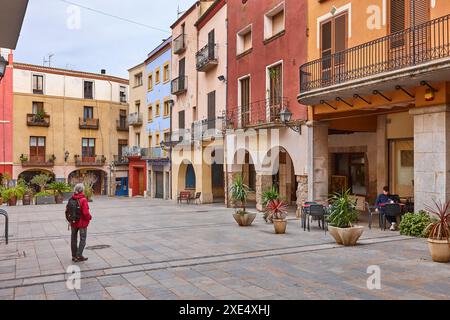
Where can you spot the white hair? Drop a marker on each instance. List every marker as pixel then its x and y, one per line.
pixel 79 188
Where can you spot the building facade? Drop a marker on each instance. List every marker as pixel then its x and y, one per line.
pixel 267 43
pixel 6 113
pixel 377 85
pixel 67 124
pixel 158 124
pixel 138 143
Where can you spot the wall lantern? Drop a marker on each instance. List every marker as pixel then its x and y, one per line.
pixel 286 117
pixel 66 156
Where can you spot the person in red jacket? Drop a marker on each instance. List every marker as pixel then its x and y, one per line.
pixel 81 225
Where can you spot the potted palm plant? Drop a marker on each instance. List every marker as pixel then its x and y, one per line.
pixel 28 192
pixel 277 213
pixel 11 195
pixel 342 219
pixel 239 193
pixel 439 232
pixel 58 189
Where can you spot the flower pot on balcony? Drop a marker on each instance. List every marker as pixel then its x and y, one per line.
pixel 439 250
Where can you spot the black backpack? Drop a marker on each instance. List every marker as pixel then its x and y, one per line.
pixel 73 210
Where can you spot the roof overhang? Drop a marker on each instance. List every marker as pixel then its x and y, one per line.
pixel 12 14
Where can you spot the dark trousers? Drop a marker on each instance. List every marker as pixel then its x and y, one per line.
pixel 77 250
pixel 390 219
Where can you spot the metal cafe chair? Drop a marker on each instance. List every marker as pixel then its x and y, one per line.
pixel 371 212
pixel 315 210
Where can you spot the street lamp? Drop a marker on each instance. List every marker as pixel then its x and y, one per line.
pixel 285 117
pixel 3 64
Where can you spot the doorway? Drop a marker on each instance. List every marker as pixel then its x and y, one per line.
pixel 401 167
pixel 159 188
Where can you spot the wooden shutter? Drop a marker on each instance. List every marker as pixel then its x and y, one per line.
pixel 419 12
pixel 181 124
pixel 211 45
pixel 245 101
pixel 326 50
pixel 397 22
pixel 212 110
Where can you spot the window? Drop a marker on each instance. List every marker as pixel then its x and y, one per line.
pixel 123 118
pixel 212 110
pixel 138 79
pixel 212 45
pixel 244 87
pixel 122 147
pixel 157 75
pixel 181 124
pixel 158 141
pixel 157 108
pixel 88 90
pixel 88 113
pixel 150 141
pixel 88 147
pixel 137 106
pixel 274 22
pixel 123 94
pixel 166 72
pixel 150 113
pixel 37 149
pixel 38 107
pixel 150 82
pixel 38 84
pixel 138 139
pixel 166 111
pixel 244 40
pixel 275 80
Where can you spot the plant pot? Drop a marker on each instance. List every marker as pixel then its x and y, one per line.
pixel 280 226
pixel 26 201
pixel 12 202
pixel 244 220
pixel 346 236
pixel 1 201
pixel 45 200
pixel 59 198
pixel 439 250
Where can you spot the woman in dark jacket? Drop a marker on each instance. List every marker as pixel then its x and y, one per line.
pixel 81 225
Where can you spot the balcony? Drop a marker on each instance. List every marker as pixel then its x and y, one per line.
pixel 89 123
pixel 179 44
pixel 183 136
pixel 38 120
pixel 208 129
pixel 95 161
pixel 207 58
pixel 402 58
pixel 135 119
pixel 120 160
pixel 258 114
pixel 122 126
pixel 135 152
pixel 156 153
pixel 37 161
pixel 179 85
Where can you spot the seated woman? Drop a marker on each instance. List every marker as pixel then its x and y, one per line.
pixel 382 199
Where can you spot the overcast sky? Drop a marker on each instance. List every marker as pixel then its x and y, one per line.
pixel 94 41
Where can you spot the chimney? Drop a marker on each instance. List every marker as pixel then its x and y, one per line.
pixel 103 71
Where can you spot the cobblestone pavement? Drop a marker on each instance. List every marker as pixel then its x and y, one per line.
pixel 161 250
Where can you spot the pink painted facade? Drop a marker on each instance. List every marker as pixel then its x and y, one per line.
pixel 6 125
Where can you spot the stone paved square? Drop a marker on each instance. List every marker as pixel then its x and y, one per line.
pixel 161 250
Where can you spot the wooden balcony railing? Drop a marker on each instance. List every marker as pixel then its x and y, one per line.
pixel 89 123
pixel 410 47
pixel 37 120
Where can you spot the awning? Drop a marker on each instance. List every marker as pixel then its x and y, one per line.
pixel 12 13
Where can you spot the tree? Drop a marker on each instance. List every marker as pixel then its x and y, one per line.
pixel 41 180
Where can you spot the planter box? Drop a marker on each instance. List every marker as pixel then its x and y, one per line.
pixel 67 195
pixel 45 200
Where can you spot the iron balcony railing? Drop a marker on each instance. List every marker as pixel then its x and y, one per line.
pixel 413 46
pixel 37 160
pixel 89 123
pixel 207 57
pixel 38 120
pixel 179 85
pixel 179 44
pixel 135 119
pixel 120 160
pixel 208 128
pixel 157 153
pixel 183 136
pixel 90 161
pixel 122 125
pixel 258 113
pixel 135 152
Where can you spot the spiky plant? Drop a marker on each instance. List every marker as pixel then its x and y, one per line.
pixel 276 209
pixel 440 228
pixel 343 213
pixel 239 192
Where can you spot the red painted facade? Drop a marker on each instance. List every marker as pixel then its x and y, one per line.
pixel 137 183
pixel 290 47
pixel 6 109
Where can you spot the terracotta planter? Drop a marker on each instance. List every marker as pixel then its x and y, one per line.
pixel 346 236
pixel 26 201
pixel 1 201
pixel 12 202
pixel 280 226
pixel 244 220
pixel 59 198
pixel 439 250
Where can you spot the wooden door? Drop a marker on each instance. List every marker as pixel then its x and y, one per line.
pixel 159 181
pixel 141 181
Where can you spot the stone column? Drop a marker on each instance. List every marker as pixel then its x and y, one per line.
pixel 382 154
pixel 231 176
pixel 263 183
pixel 431 155
pixel 320 158
pixel 302 193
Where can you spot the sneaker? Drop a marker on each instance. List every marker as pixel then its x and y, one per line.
pixel 393 227
pixel 74 259
pixel 81 259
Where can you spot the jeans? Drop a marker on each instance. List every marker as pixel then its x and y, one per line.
pixel 77 250
pixel 390 219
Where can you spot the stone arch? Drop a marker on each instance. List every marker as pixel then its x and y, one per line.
pixel 29 173
pixel 187 177
pixel 80 175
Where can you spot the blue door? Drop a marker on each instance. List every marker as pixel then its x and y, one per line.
pixel 121 187
pixel 190 177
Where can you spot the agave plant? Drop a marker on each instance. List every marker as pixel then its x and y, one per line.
pixel 239 193
pixel 269 195
pixel 343 213
pixel 276 209
pixel 440 228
